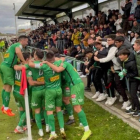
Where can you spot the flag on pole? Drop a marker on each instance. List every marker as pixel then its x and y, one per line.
pixel 24 92
pixel 23 82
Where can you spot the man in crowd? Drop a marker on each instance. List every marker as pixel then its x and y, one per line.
pixel 126 9
pixel 75 38
pixel 136 27
pixel 137 12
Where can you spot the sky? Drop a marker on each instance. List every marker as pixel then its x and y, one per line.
pixel 7 18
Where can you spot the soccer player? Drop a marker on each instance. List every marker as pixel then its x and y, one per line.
pixel 38 92
pixel 77 92
pixel 53 94
pixel 7 72
pixel 65 91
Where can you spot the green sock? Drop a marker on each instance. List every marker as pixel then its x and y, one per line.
pixel 38 121
pixel 69 109
pixel 21 113
pixel 31 114
pixel 22 120
pixel 63 106
pixel 46 117
pixel 82 118
pixel 51 122
pixel 42 114
pixel 60 119
pixel 6 99
pixel 3 91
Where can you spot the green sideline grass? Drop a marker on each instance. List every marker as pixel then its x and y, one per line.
pixel 103 125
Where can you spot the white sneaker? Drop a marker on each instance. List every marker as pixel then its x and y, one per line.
pixel 126 104
pixel 40 132
pixel 129 107
pixel 112 101
pixel 101 98
pixel 108 99
pixel 47 128
pixel 83 76
pixel 121 99
pixel 96 95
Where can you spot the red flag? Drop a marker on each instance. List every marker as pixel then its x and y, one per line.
pixel 23 82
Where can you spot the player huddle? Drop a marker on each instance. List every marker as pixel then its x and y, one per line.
pixel 50 83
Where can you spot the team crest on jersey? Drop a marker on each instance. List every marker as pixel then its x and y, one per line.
pixel 29 73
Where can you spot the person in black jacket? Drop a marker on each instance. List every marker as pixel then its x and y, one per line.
pixel 126 9
pixel 137 12
pixel 101 70
pixel 129 64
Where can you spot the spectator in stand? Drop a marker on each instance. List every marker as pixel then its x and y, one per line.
pixel 93 21
pixel 126 41
pixel 118 22
pixel 136 27
pixel 126 9
pixel 137 12
pixel 85 40
pixel 106 30
pixel 101 19
pixel 132 38
pixel 96 29
pixel 109 15
pixel 100 31
pixel 111 25
pixel 137 35
pixel 92 32
pixel 129 64
pixel 80 54
pixel 90 16
pixel 75 38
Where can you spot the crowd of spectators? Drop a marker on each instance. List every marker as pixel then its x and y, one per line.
pixel 110 47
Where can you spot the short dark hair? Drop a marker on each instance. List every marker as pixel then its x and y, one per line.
pixel 120 31
pixel 88 50
pixel 85 30
pixel 22 37
pixel 112 36
pixel 26 55
pixel 50 55
pixel 39 53
pixel 124 52
pixel 119 38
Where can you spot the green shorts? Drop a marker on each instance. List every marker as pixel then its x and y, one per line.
pixel 38 99
pixel 19 99
pixel 66 91
pixel 53 98
pixel 77 94
pixel 7 75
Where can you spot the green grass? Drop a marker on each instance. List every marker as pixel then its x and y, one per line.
pixel 103 125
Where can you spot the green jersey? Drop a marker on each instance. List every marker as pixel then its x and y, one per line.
pixel 37 75
pixel 17 81
pixel 10 57
pixel 52 78
pixel 70 74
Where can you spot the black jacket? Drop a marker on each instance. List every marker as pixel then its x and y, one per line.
pixel 137 12
pixel 80 55
pixel 127 10
pixel 131 67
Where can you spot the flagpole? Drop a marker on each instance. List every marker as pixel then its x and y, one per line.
pixel 28 114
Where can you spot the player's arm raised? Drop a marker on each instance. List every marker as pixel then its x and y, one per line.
pixel 34 83
pixel 19 54
pixel 55 68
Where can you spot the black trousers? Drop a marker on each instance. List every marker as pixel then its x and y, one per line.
pixel 119 85
pixel 133 86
